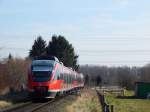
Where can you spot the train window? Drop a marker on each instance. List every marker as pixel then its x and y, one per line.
pixel 75 77
pixel 70 78
pixel 65 78
pixel 61 76
pixel 70 75
pixel 61 73
pixel 78 78
pixel 57 75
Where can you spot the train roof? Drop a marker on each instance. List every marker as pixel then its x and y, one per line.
pixel 46 58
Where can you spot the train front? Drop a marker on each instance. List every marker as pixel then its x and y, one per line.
pixel 39 77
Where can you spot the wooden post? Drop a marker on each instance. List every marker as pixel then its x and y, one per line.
pixel 107 108
pixel 112 108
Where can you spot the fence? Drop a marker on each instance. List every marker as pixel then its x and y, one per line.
pixel 105 106
pixel 112 89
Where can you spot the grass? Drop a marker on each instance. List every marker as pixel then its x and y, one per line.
pixel 128 103
pixel 4 104
pixel 87 102
pixel 128 93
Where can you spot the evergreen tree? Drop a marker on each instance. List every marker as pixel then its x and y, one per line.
pixel 10 56
pixel 38 48
pixel 86 79
pixel 98 80
pixel 63 50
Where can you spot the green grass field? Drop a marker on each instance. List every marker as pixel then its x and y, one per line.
pixel 128 103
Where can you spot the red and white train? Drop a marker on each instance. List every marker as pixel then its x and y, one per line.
pixel 48 77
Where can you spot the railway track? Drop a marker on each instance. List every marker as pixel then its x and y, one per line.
pixel 36 105
pixel 30 107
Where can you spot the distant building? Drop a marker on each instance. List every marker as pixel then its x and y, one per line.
pixel 142 89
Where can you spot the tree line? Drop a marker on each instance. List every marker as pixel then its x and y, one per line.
pixel 122 76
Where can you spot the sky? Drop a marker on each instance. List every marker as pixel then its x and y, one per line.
pixel 103 32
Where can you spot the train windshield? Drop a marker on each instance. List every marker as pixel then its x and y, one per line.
pixel 42 70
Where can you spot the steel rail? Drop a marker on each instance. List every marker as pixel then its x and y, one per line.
pixel 40 106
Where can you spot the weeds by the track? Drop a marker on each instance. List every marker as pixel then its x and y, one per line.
pixel 4 104
pixel 86 102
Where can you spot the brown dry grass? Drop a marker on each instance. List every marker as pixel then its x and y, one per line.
pixel 4 104
pixel 87 102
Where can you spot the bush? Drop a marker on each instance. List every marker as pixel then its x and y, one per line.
pixel 13 74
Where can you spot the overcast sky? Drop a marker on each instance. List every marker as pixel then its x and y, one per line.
pixel 103 32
